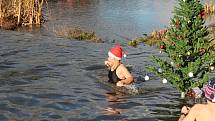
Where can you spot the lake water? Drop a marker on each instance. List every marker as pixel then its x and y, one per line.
pixel 47 78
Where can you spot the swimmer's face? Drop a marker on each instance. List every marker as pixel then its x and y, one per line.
pixel 112 60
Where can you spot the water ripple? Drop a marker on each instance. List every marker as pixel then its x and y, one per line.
pixel 94 67
pixel 19 113
pixel 51 96
pixel 14 90
pixel 22 101
pixel 51 115
pixel 14 52
pixel 7 64
pixel 65 106
pixel 3 118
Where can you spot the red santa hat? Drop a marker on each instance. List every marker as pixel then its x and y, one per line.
pixel 117 52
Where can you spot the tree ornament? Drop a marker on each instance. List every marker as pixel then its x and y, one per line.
pixel 212 68
pixel 177 23
pixel 189 42
pixel 189 23
pixel 146 77
pixel 162 47
pixel 188 53
pixel 182 95
pixel 164 81
pixel 202 51
pixel 160 70
pixel 172 63
pixel 179 37
pixel 178 65
pixel 202 14
pixel 190 74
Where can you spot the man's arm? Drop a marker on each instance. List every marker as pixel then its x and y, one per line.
pixel 128 77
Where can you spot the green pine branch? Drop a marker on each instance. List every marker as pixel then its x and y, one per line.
pixel 188 47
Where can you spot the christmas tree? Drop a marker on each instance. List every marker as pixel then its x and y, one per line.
pixel 188 48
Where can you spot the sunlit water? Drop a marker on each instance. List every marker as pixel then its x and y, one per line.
pixel 43 77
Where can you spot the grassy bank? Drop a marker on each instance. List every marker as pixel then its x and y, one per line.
pixel 77 34
pixel 157 38
pixel 154 38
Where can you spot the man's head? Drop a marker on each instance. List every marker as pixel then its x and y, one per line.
pixel 210 90
pixel 116 52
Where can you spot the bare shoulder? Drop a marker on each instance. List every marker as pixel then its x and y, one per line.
pixel 123 70
pixel 203 112
pixel 122 67
pixel 195 110
pixel 199 112
pixel 198 109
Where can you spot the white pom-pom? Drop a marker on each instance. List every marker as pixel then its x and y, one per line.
pixel 164 81
pixel 190 74
pixel 160 51
pixel 124 55
pixel 160 70
pixel 146 77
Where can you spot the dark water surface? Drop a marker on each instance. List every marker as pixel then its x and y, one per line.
pixel 46 78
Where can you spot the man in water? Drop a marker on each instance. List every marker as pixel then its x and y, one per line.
pixel 118 73
pixel 201 112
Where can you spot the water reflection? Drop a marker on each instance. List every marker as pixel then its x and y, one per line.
pixel 113 100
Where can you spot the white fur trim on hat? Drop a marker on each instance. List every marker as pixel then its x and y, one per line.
pixel 112 55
